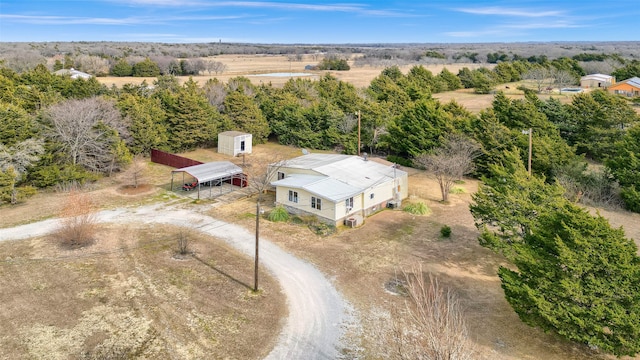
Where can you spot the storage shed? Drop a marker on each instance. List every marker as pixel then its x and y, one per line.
pixel 234 143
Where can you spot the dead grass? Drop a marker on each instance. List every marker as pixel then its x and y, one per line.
pixel 364 259
pixel 251 65
pixel 127 296
pixel 144 283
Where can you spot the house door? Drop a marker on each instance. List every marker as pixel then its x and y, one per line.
pixel 242 145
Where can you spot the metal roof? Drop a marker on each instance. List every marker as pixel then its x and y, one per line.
pixel 348 174
pixel 233 133
pixel 211 170
pixel 328 188
pixel 634 81
pixel 602 77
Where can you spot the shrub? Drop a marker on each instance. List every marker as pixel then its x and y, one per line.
pixel 445 231
pixel 279 214
pixel 183 242
pixel 78 225
pixel 418 208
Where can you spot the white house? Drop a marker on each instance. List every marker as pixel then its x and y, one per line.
pixel 596 81
pixel 234 143
pixel 338 188
pixel 73 73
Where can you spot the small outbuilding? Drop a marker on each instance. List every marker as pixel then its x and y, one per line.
pixel 234 142
pixel 595 81
pixel 209 175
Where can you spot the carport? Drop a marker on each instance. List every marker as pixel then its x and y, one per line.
pixel 209 175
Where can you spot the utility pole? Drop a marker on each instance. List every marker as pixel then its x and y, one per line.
pixel 530 132
pixel 358 132
pixel 255 267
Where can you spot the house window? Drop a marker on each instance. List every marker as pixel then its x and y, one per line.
pixel 349 204
pixel 316 203
pixel 371 196
pixel 293 196
pixel 280 175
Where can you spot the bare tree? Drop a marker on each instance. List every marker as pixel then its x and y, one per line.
pixel 89 131
pixel 562 78
pixel 430 326
pixel 450 162
pixel 215 66
pixel 92 64
pixel 183 239
pixel 539 76
pixel 260 176
pixel 135 172
pixel 79 224
pixel 15 161
pixel 23 60
pixel 215 92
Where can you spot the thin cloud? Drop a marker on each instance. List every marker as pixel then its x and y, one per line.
pixel 362 9
pixel 69 20
pixel 500 11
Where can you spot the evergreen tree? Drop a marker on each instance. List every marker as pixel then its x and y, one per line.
pixel 147 121
pixel 122 68
pixel 419 128
pixel 246 116
pixel 578 277
pixel 146 68
pixel 624 166
pixel 508 203
pixel 192 121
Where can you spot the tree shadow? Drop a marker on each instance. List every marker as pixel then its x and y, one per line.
pixel 239 282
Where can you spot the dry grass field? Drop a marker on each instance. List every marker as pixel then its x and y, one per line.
pixel 128 291
pixel 130 295
pixel 250 66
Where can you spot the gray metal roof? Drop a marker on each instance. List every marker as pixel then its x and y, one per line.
pixel 634 81
pixel 211 170
pixel 348 174
pixel 233 133
pixel 328 188
pixel 602 77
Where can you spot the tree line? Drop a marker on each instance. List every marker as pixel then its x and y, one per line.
pixel 399 118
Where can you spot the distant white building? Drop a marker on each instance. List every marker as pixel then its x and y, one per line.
pixel 596 81
pixel 73 73
pixel 339 188
pixel 234 143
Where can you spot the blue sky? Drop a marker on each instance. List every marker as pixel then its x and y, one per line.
pixel 314 22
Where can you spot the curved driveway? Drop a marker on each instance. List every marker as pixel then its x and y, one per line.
pixel 317 312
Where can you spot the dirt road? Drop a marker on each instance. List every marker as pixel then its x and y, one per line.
pixel 317 312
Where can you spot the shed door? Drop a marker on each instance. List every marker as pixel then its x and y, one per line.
pixel 242 145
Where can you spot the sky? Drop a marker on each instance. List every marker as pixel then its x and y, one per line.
pixel 319 22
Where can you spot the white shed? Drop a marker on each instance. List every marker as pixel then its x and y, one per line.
pixel 234 143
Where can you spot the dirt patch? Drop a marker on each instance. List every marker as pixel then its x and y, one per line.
pixel 128 296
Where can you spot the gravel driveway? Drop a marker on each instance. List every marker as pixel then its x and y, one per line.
pixel 317 312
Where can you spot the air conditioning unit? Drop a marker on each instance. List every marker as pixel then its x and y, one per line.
pixel 349 208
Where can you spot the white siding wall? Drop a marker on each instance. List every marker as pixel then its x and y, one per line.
pixel 327 210
pixel 231 144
